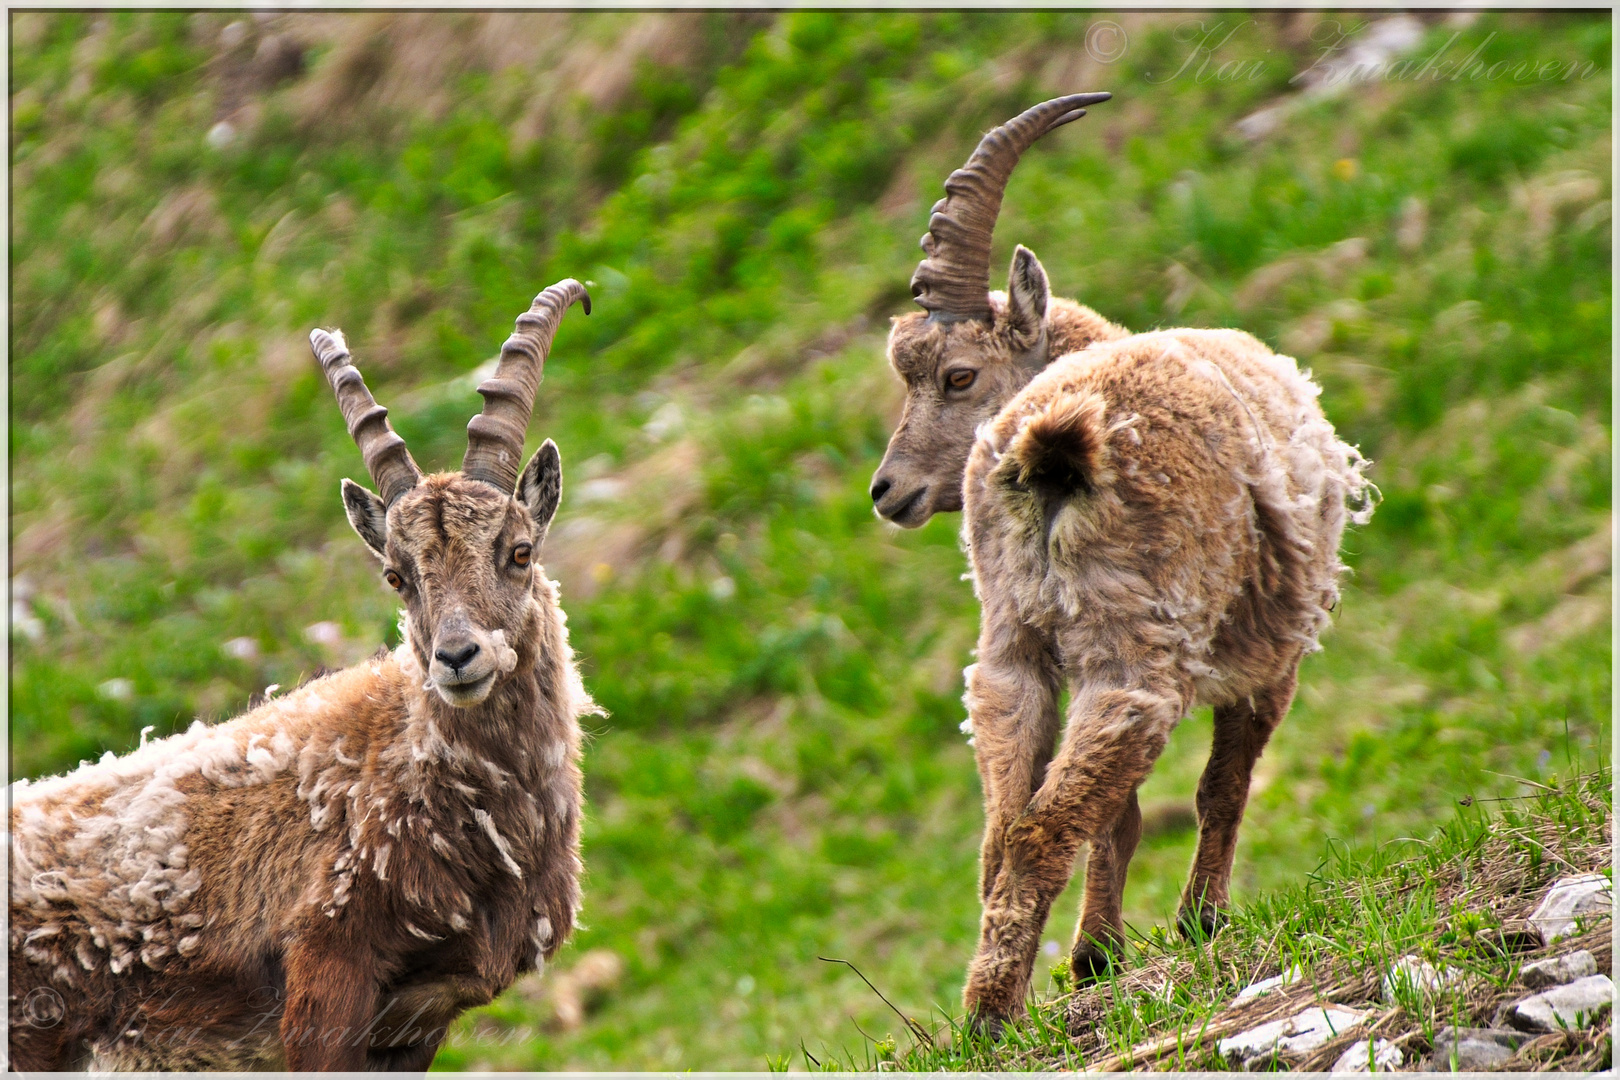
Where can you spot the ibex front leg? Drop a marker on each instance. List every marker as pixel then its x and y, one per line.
pixel 1012 700
pixel 1113 736
pixel 414 1020
pixel 331 994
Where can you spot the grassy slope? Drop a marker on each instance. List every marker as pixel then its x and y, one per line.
pixel 782 776
pixel 1458 899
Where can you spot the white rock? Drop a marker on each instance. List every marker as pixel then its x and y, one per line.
pixel 1299 1034
pixel 1557 970
pixel 1257 125
pixel 1368 58
pixel 221 135
pixel 1573 1006
pixel 25 622
pixel 117 689
pixel 1288 978
pixel 1475 1049
pixel 324 633
pixel 668 420
pixel 1385 1057
pixel 241 648
pixel 1413 973
pixel 1567 900
pixel 601 490
pixel 23 619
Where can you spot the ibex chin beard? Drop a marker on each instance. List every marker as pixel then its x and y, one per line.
pixel 463 690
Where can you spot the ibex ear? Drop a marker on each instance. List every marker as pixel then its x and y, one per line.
pixel 540 487
pixel 1027 294
pixel 368 515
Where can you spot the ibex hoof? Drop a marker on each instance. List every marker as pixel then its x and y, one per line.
pixel 1091 962
pixel 990 1006
pixel 986 1024
pixel 1200 923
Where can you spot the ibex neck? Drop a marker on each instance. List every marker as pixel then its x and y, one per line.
pixel 1071 327
pixel 504 730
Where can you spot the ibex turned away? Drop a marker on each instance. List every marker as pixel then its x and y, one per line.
pixel 326 881
pixel 1153 522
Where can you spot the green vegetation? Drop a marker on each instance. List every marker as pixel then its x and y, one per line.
pixel 1457 900
pixel 781 776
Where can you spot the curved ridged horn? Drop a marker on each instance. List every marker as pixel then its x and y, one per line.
pixel 389 463
pixel 495 436
pixel 954 280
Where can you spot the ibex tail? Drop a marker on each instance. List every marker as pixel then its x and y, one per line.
pixel 1059 451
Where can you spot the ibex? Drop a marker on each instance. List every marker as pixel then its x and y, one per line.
pixel 326 881
pixel 1153 522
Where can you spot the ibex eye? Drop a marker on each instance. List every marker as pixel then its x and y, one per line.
pixel 393 579
pixel 961 379
pixel 522 554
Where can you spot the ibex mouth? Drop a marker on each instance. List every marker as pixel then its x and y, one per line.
pixel 911 513
pixel 465 691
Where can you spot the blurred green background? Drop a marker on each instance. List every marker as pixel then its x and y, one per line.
pixel 781 776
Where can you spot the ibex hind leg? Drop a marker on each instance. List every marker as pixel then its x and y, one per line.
pixel 1099 941
pixel 1242 730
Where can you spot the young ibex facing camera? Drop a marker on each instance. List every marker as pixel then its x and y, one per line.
pixel 1153 522
pixel 326 881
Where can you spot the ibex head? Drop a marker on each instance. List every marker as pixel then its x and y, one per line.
pixel 973 350
pixel 462 549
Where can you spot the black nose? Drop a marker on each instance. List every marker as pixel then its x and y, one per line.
pixel 880 488
pixel 458 659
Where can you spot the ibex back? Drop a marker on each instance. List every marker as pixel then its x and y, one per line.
pixel 328 880
pixel 1153 521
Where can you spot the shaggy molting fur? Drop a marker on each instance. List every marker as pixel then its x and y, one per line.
pixel 1182 550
